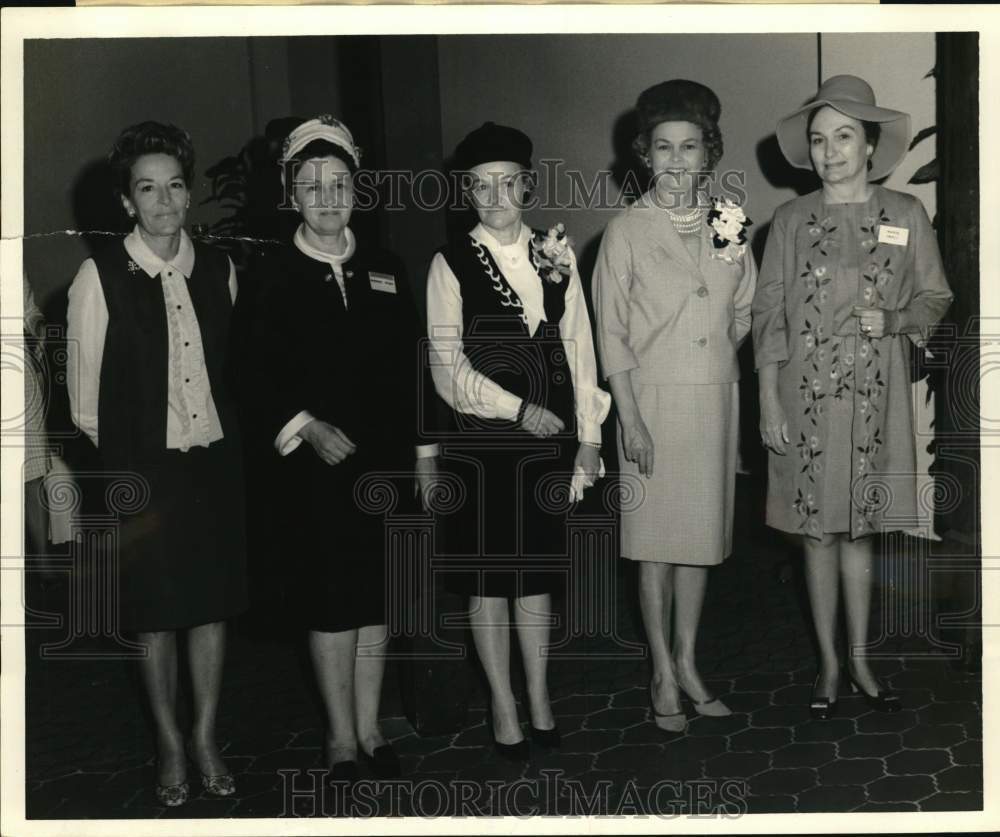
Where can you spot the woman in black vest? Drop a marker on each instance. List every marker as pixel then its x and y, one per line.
pixel 336 342
pixel 513 355
pixel 148 333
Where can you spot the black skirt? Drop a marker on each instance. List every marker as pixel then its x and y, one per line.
pixel 508 538
pixel 335 529
pixel 182 544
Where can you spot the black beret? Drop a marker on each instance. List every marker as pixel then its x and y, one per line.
pixel 677 100
pixel 491 143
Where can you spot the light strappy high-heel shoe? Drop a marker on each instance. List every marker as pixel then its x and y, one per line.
pixel 667 721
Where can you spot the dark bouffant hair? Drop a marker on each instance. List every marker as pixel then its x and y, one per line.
pixel 711 138
pixel 149 138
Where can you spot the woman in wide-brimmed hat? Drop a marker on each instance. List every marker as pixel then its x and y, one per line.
pixel 851 272
pixel 672 291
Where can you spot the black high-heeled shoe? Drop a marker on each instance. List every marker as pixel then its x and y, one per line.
pixel 821 708
pixel 518 751
pixel 885 700
pixel 383 762
pixel 549 739
pixel 345 771
pixel 521 751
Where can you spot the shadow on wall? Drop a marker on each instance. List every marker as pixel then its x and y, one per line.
pixel 95 205
pixel 247 189
pixel 779 173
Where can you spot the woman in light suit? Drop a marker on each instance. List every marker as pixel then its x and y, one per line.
pixel 672 291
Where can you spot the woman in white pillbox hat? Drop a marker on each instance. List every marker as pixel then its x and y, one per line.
pixel 336 338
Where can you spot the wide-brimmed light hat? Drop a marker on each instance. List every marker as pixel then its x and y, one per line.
pixel 853 97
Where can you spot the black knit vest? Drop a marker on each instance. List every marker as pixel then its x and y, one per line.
pixel 496 338
pixel 132 408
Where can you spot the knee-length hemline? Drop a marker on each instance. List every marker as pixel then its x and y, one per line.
pixel 685 512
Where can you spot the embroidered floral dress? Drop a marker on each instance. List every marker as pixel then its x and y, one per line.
pixel 850 466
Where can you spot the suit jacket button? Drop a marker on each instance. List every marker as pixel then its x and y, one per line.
pixel 702 291
pixel 702 341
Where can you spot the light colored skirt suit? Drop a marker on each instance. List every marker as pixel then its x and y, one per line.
pixel 673 316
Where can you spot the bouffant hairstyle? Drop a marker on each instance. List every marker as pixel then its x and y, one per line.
pixel 679 100
pixel 149 138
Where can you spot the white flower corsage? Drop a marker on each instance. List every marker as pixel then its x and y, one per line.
pixel 553 254
pixel 729 230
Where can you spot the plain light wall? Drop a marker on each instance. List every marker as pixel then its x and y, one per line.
pixel 79 94
pixel 894 65
pixel 569 92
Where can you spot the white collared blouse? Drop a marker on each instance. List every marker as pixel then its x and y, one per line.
pixel 192 419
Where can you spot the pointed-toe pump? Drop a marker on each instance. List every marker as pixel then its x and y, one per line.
pixel 518 751
pixel 884 700
pixel 521 751
pixel 383 762
pixel 548 739
pixel 710 707
pixel 345 771
pixel 667 721
pixel 821 708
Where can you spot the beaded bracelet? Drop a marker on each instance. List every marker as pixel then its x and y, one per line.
pixel 521 411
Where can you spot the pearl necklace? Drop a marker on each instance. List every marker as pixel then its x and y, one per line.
pixel 686 223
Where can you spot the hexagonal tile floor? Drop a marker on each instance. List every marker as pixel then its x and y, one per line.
pixel 90 754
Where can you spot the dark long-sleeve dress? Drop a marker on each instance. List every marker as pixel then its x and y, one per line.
pixel 356 367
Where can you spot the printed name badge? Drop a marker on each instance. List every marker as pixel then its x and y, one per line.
pixel 893 235
pixel 384 282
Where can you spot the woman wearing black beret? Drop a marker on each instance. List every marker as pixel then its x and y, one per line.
pixel 513 356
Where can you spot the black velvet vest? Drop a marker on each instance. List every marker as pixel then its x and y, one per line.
pixel 496 338
pixel 132 408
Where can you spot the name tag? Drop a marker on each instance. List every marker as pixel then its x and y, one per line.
pixel 383 282
pixel 893 235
